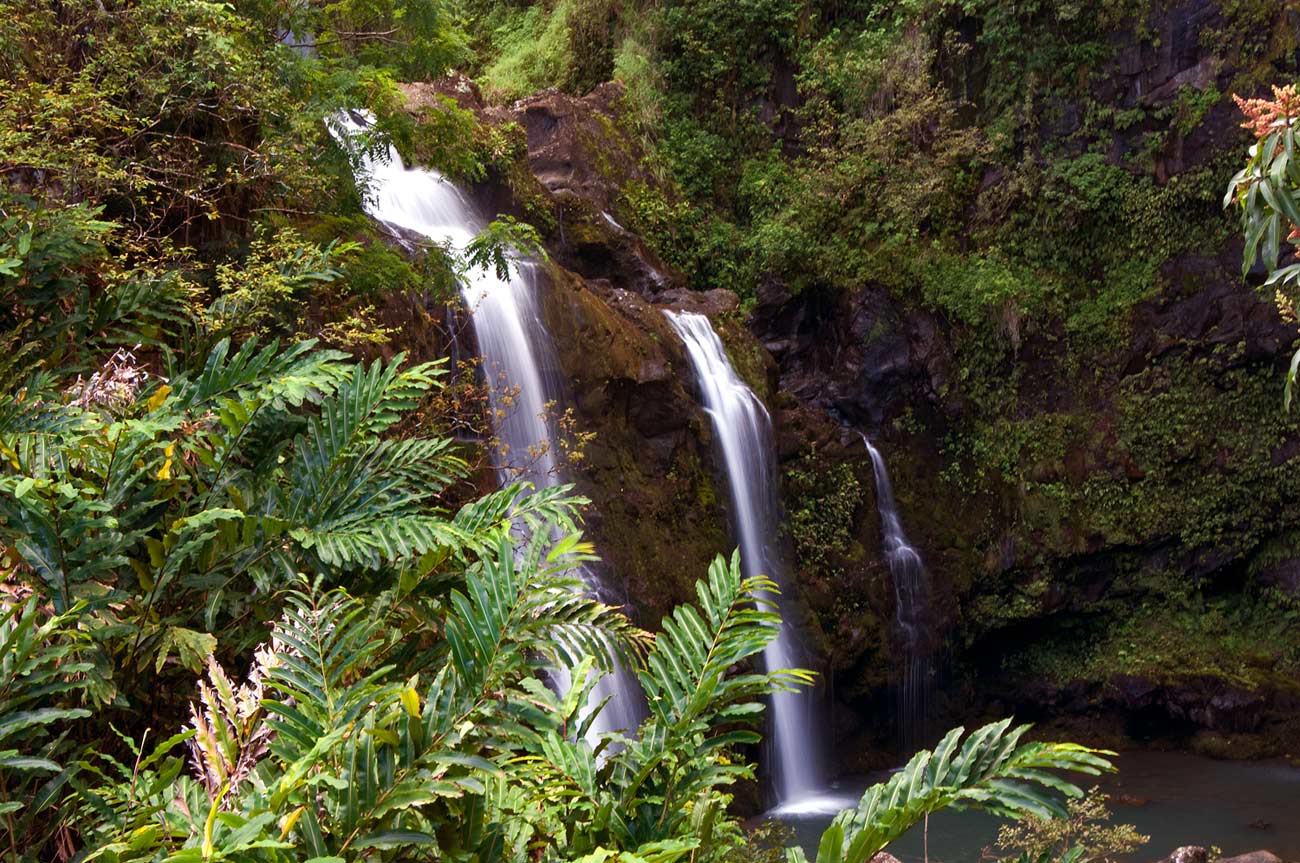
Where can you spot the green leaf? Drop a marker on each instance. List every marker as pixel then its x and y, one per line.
pixel 19 762
pixel 395 839
pixel 192 648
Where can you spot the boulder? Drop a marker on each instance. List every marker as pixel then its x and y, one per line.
pixel 1253 857
pixel 457 87
pixel 1188 854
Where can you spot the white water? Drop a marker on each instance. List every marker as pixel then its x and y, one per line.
pixel 513 341
pixel 744 433
pixel 911 593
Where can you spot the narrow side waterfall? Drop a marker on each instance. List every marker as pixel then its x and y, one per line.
pixel 911 591
pixel 515 345
pixel 744 433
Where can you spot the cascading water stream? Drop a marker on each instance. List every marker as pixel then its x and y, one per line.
pixel 513 341
pixel 911 592
pixel 744 433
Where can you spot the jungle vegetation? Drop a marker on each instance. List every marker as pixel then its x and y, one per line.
pixel 256 603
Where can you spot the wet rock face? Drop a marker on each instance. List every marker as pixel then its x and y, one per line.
pixel 580 153
pixel 857 355
pixel 1204 703
pixel 575 147
pixel 649 468
pixel 1204 308
pixel 1174 56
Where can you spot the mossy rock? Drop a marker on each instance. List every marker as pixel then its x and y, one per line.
pixel 649 469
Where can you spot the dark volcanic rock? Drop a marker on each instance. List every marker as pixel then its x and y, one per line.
pixel 1200 702
pixel 575 146
pixel 649 470
pixel 1284 576
pixel 579 152
pixel 1253 856
pixel 857 354
pixel 1206 307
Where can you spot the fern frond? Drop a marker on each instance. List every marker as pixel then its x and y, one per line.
pixel 66 546
pixel 325 680
pixel 136 811
pixel 991 771
pixel 366 404
pixel 515 600
pixel 139 311
pixel 281 378
pixel 35 426
pixel 39 668
pixel 357 500
pixel 693 690
pixel 687 673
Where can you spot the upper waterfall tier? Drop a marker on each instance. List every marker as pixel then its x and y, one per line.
pixel 518 355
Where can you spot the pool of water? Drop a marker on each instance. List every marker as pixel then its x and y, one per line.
pixel 1176 798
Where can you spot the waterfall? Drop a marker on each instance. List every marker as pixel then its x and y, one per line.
pixel 744 434
pixel 911 593
pixel 513 341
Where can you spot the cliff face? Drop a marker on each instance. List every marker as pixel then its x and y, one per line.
pixel 1110 525
pixel 1108 522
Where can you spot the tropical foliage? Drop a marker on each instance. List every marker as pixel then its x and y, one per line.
pixel 1267 192
pixel 990 770
pixel 1083 830
pixel 161 506
pixel 258 601
pixel 332 747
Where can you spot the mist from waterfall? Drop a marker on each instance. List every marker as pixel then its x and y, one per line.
pixel 744 435
pixel 513 341
pixel 911 592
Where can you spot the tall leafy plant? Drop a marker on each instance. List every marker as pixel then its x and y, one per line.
pixel 330 749
pixel 170 508
pixel 665 787
pixel 334 749
pixel 991 771
pixel 1267 194
pixel 39 673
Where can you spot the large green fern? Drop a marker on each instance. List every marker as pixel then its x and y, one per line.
pixel 991 771
pixel 329 737
pixel 39 671
pixel 664 783
pixel 227 481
